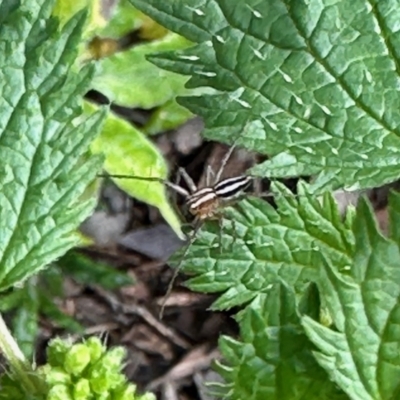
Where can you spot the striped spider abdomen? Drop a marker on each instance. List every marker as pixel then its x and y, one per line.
pixel 231 188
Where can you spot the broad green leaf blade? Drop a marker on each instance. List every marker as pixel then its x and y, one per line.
pixel 261 244
pixel 317 82
pixel 185 17
pixel 394 216
pixel 273 359
pixel 128 79
pixel 362 356
pixel 125 19
pixel 167 117
pixel 42 176
pixel 128 152
pixel 65 9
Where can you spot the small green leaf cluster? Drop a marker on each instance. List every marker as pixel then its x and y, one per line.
pixel 82 371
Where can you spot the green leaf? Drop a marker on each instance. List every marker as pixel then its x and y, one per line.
pixel 362 354
pixel 25 306
pixel 25 323
pixel 10 300
pixel 58 317
pixel 51 286
pixel 128 152
pixel 65 9
pixel 52 281
pixel 41 141
pixel 167 117
pixel 273 359
pixel 125 19
pixel 261 245
pixel 194 20
pixel 313 85
pixel 128 79
pixel 88 271
pixel 6 8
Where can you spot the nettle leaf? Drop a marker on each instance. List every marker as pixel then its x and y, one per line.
pixel 362 354
pixel 128 79
pixel 128 152
pixel 167 117
pixel 148 86
pixel 125 19
pixel 273 359
pixel 42 142
pixel 313 85
pixel 259 245
pixel 65 9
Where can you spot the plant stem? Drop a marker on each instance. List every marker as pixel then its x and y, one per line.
pixel 20 367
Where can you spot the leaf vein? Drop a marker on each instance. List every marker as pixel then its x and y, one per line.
pixel 368 110
pixel 379 20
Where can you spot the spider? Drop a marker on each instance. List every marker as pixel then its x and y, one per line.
pixel 203 203
pixel 206 203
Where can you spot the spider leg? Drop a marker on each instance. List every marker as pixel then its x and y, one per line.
pixel 221 231
pixel 256 183
pixel 197 226
pixel 210 173
pixel 187 179
pixel 234 233
pixel 134 177
pixel 177 189
pixel 223 163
